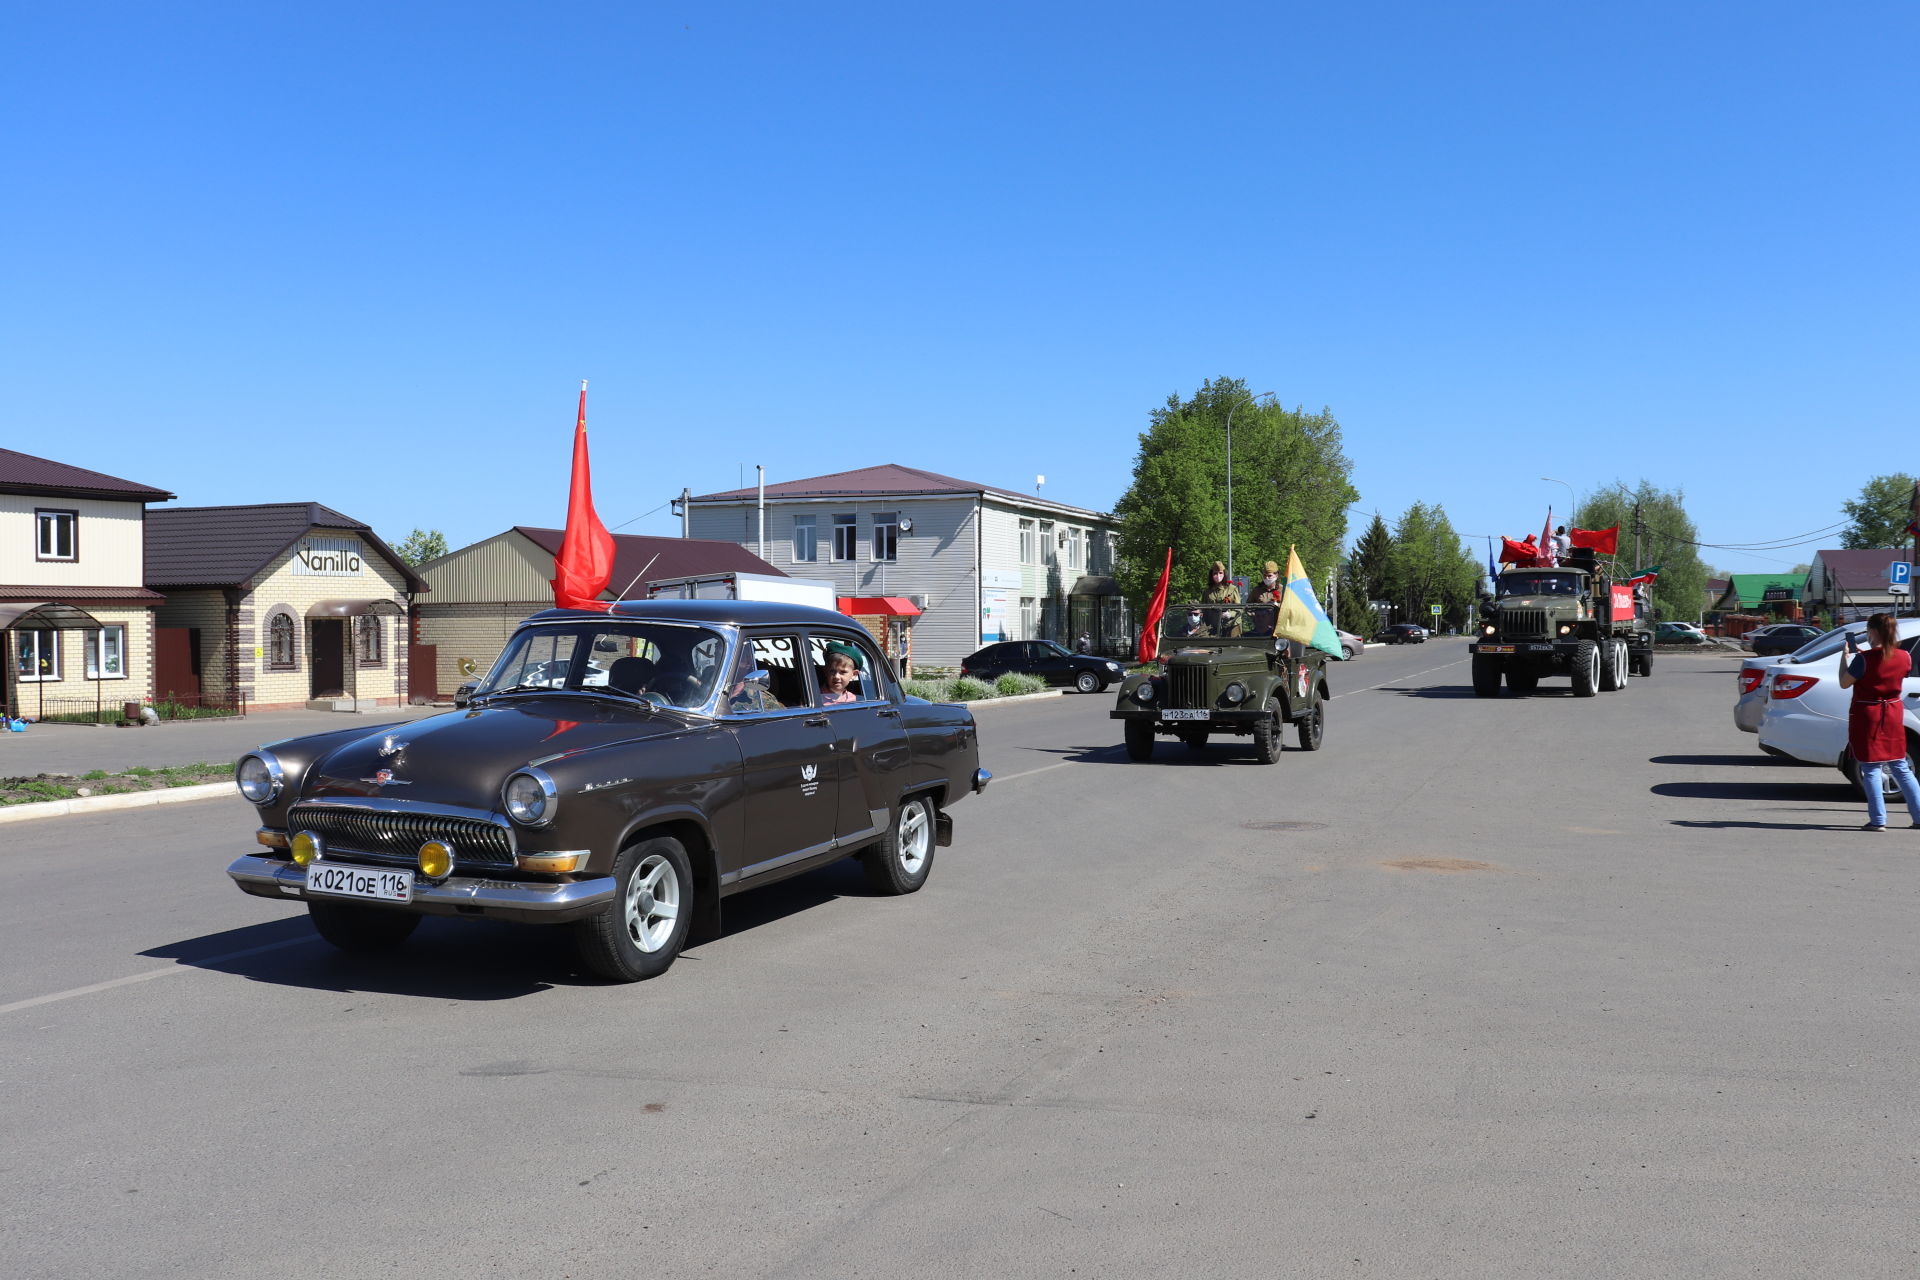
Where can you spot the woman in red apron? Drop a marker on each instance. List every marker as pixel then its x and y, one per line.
pixel 1876 727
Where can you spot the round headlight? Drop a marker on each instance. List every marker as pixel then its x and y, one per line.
pixel 258 777
pixel 305 848
pixel 1235 692
pixel 530 798
pixel 1489 629
pixel 436 860
pixel 1565 629
pixel 1143 692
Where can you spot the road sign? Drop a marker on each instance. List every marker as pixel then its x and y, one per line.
pixel 1899 572
pixel 1434 609
pixel 1900 588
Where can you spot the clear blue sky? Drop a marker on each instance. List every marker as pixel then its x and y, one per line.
pixel 362 253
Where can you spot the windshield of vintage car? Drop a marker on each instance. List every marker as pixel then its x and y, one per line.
pixel 665 665
pixel 1217 621
pixel 1539 584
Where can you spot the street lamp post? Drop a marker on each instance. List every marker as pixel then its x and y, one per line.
pixel 1248 399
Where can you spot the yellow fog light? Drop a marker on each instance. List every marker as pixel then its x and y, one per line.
pixel 306 848
pixel 436 860
pixel 561 863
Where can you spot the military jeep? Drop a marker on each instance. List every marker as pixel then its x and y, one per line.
pixel 1226 673
pixel 1570 620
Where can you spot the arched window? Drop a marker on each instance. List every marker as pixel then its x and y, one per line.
pixel 282 655
pixel 368 634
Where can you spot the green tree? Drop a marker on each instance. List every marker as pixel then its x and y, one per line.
pixel 421 546
pixel 1290 489
pixel 1430 565
pixel 1364 579
pixel 1880 513
pixel 1667 537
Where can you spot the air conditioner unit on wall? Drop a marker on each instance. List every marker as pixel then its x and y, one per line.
pixel 919 602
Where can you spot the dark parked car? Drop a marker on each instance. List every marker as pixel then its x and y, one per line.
pixel 1043 658
pixel 1404 633
pixel 619 773
pixel 1783 639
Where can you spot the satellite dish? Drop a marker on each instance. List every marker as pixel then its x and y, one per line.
pixel 906 524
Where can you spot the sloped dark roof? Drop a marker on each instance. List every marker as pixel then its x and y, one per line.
pixel 225 546
pixel 676 557
pixel 129 596
pixel 1860 570
pixel 880 481
pixel 24 473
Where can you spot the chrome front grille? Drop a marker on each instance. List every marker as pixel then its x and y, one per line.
pixel 384 834
pixel 1523 624
pixel 1188 687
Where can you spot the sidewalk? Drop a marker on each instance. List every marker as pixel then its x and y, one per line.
pixel 78 748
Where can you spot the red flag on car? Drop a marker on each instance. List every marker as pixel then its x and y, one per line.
pixel 1150 634
pixel 1604 541
pixel 1523 553
pixel 585 562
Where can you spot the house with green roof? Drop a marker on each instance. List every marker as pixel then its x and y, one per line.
pixel 1775 593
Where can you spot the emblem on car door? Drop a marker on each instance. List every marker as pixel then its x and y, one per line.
pixel 808 774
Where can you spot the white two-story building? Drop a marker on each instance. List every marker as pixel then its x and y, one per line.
pixel 76 618
pixel 979 563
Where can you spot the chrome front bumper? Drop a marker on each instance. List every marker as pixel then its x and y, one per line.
pixel 527 901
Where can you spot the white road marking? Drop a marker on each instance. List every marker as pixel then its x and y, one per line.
pixel 1384 683
pixel 998 777
pixel 150 974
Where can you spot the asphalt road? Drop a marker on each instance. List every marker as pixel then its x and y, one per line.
pixel 1537 987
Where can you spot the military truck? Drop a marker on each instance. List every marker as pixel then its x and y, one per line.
pixel 1225 673
pixel 1571 620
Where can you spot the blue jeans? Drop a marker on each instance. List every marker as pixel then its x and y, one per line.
pixel 1877 803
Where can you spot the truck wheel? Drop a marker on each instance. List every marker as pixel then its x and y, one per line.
pixel 1139 740
pixel 1486 677
pixel 639 933
pixel 1313 729
pixel 902 860
pixel 1522 683
pixel 1609 658
pixel 1643 663
pixel 1266 738
pixel 1626 663
pixel 1586 670
pixel 355 928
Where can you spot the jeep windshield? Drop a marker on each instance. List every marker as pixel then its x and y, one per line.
pixel 1539 584
pixel 671 666
pixel 1217 621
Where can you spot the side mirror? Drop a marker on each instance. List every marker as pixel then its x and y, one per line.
pixel 464 694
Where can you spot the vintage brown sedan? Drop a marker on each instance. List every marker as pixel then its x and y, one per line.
pixel 620 773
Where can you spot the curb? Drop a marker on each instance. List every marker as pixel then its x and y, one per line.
pixel 129 800
pixel 1023 697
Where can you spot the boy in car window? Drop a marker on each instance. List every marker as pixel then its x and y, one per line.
pixel 839 673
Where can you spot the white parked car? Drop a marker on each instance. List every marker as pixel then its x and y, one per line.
pixel 1806 714
pixel 1754 670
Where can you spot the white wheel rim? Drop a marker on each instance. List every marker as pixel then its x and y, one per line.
pixel 653 903
pixel 916 837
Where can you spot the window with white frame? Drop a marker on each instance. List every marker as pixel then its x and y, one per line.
pixel 1027 606
pixel 1073 548
pixel 56 534
pixel 107 654
pixel 1049 554
pixel 1026 542
pixel 36 655
pixel 846 536
pixel 806 538
pixel 886 535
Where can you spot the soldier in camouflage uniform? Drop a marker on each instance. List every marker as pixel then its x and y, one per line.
pixel 1220 590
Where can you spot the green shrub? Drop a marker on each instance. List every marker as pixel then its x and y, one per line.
pixel 931 690
pixel 1013 685
pixel 968 689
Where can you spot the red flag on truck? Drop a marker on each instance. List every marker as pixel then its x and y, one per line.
pixel 585 562
pixel 1150 634
pixel 1604 541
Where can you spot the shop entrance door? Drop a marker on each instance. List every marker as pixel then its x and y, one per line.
pixel 329 657
pixel 176 665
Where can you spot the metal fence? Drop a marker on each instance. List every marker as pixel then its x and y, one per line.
pixel 102 711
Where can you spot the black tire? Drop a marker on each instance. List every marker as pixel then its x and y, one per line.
pixel 1586 670
pixel 1088 682
pixel 624 940
pixel 1312 729
pixel 1266 738
pixel 1643 662
pixel 351 927
pixel 1139 740
pixel 1522 683
pixel 902 860
pixel 1486 677
pixel 1610 674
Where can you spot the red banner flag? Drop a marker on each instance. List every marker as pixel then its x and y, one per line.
pixel 585 562
pixel 1150 634
pixel 1523 553
pixel 1604 541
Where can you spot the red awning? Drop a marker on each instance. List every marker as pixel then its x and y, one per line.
pixel 884 606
